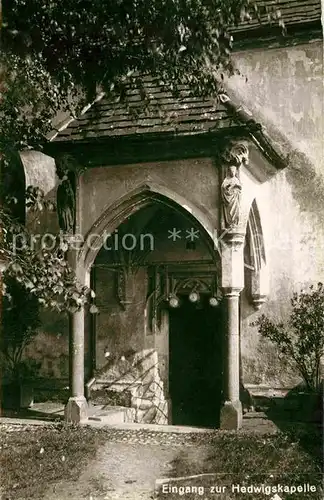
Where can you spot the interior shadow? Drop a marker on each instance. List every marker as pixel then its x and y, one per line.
pixel 195 364
pixel 30 414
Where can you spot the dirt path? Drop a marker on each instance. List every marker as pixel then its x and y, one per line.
pixel 120 472
pixel 130 461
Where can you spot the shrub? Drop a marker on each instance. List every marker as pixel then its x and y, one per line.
pixel 301 339
pixel 20 320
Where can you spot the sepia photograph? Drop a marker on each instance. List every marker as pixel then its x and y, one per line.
pixel 161 249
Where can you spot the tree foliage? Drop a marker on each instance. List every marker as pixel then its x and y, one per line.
pixel 61 52
pixel 301 339
pixel 42 270
pixel 57 54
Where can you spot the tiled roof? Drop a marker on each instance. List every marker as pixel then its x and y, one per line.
pixel 293 12
pixel 169 114
pixel 183 114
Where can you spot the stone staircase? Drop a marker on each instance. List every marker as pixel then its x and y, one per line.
pixel 137 377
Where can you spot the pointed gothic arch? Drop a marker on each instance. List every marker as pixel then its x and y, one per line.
pixel 257 259
pixel 254 233
pixel 141 197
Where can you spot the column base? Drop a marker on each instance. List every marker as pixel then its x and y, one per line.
pixel 231 415
pixel 76 409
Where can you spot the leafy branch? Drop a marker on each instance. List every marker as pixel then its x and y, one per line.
pixel 45 273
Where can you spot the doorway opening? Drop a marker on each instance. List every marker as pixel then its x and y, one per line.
pixel 195 363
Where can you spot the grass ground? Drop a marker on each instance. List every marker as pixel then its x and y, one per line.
pixel 33 459
pixel 289 459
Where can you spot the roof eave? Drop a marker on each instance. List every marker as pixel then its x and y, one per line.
pixel 256 132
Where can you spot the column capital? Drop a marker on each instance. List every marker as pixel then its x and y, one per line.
pixel 232 238
pixel 258 300
pixel 232 255
pixel 231 291
pixel 236 153
pixel 66 162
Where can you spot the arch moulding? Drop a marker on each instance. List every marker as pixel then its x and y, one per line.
pixel 140 197
pixel 258 268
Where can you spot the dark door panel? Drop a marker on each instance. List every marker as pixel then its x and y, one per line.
pixel 195 364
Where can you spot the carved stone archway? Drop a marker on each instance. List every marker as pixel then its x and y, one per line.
pixel 140 197
pixel 82 259
pixel 226 246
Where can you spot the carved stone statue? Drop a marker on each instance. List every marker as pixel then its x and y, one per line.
pixel 235 156
pixel 231 196
pixel 66 198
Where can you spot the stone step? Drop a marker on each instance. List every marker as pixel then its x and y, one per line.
pixel 112 415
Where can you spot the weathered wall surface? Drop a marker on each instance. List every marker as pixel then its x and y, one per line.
pixel 284 91
pixel 294 242
pixel 194 180
pixel 39 171
pixel 119 330
pixel 51 346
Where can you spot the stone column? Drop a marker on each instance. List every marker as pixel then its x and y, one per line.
pixel 232 284
pixel 231 412
pixel 77 407
pixel 231 241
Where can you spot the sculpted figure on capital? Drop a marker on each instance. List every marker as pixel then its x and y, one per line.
pixel 231 188
pixel 66 195
pixel 231 197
